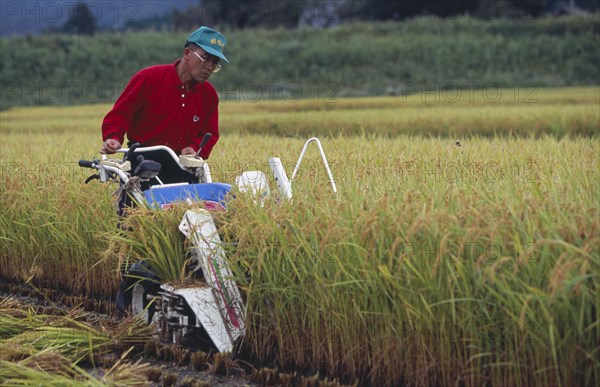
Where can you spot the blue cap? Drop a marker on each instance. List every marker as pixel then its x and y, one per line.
pixel 209 40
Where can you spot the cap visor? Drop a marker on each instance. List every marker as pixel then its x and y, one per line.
pixel 214 52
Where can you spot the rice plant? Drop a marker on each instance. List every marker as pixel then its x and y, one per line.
pixel 464 258
pixel 52 350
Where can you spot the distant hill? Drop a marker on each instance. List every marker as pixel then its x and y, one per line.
pixel 440 59
pixel 34 17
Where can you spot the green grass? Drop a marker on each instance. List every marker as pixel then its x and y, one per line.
pixel 354 59
pixel 434 264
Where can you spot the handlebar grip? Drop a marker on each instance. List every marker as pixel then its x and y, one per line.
pixel 86 164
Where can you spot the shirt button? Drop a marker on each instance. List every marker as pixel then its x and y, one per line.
pixel 182 105
pixel 182 95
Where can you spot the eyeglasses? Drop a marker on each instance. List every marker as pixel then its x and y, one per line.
pixel 217 65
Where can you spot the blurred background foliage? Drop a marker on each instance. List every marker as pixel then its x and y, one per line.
pixel 335 51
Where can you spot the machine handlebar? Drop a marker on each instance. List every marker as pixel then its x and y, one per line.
pixel 86 164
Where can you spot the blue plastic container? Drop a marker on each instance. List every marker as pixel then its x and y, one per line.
pixel 161 196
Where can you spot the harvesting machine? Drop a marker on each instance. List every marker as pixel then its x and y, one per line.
pixel 211 307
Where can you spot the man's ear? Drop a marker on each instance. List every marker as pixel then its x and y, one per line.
pixel 187 51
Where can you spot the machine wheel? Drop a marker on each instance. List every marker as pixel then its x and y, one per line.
pixel 136 291
pixel 140 300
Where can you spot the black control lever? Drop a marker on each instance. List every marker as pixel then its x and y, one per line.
pixel 92 177
pixel 205 139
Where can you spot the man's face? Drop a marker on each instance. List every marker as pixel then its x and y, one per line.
pixel 201 64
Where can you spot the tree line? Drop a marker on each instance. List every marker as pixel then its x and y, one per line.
pixel 353 59
pixel 325 13
pixel 240 14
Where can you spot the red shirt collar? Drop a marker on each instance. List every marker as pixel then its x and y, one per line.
pixel 177 81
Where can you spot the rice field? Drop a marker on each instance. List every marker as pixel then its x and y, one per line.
pixel 463 246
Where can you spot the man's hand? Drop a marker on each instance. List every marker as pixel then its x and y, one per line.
pixel 188 150
pixel 110 146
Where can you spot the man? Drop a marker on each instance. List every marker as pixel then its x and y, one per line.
pixel 172 105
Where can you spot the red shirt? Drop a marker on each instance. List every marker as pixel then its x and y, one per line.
pixel 156 109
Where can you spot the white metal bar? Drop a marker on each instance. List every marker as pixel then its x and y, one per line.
pixel 155 148
pixel 122 175
pixel 284 185
pixel 150 149
pixel 314 139
pixel 207 175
